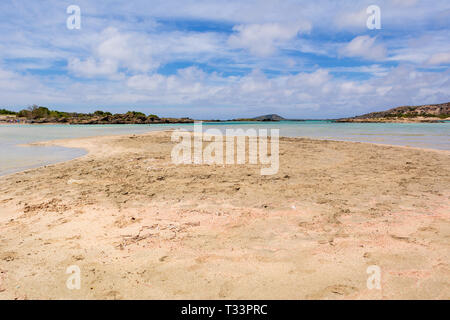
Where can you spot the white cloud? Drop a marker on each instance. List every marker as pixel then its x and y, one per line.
pixel 113 53
pixel 440 58
pixel 376 70
pixel 405 3
pixel 264 39
pixel 352 20
pixel 116 50
pixel 364 47
pixel 418 49
pixel 312 94
pixel 18 89
pixel 147 83
pixel 93 68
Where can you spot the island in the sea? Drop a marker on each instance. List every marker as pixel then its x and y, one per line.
pixel 424 113
pixel 267 117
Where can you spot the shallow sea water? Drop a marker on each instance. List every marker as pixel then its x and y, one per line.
pixel 15 156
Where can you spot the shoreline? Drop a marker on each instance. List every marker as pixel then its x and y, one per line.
pixel 420 120
pixel 60 143
pixel 336 121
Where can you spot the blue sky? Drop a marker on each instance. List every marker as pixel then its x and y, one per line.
pixel 225 59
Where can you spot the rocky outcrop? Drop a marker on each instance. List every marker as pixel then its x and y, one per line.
pixel 424 113
pixel 124 119
pixel 95 118
pixel 110 120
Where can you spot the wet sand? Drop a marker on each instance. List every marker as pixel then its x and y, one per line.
pixel 140 227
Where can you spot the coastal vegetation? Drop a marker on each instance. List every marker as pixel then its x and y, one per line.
pixel 7 112
pixel 424 113
pixel 40 114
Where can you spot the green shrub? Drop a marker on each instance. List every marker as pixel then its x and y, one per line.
pixel 136 114
pixel 24 114
pixel 7 112
pixel 102 113
pixel 37 112
pixel 58 114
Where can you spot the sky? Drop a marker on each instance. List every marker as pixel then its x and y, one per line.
pixel 224 59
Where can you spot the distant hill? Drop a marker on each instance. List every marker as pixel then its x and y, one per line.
pixel 267 117
pixel 423 113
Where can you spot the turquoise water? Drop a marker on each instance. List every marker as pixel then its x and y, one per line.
pixel 421 135
pixel 15 157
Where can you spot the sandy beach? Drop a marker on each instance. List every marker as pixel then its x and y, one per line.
pixel 140 227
